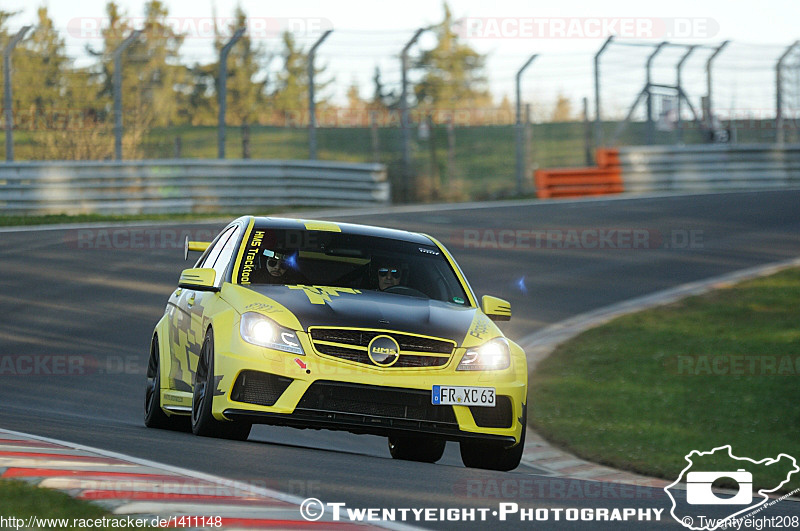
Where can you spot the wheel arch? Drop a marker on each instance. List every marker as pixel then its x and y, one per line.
pixel 520 364
pixel 223 321
pixel 161 333
pixel 519 360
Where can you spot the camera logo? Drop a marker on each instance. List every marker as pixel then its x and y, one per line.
pixel 705 508
pixel 698 488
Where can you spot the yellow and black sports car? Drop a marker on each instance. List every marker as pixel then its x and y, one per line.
pixel 327 325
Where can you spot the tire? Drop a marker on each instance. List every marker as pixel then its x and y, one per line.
pixel 493 456
pixel 203 421
pixel 154 416
pixel 422 449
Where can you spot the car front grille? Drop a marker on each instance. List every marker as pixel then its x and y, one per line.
pixel 374 403
pixel 260 388
pixel 351 345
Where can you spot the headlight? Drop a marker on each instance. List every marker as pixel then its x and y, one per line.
pixel 264 332
pixel 493 355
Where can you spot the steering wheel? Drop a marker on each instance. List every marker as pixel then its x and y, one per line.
pixel 405 290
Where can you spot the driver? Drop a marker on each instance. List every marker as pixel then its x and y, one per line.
pixel 276 265
pixel 388 276
pixel 278 268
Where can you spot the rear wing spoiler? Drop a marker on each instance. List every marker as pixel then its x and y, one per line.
pixel 193 246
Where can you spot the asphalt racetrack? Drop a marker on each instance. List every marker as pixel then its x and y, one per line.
pixel 69 295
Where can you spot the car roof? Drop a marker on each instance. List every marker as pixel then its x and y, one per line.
pixel 346 228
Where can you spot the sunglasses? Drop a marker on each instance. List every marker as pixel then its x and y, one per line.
pixel 272 262
pixel 384 272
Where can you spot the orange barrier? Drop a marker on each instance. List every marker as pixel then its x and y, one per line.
pixel 606 178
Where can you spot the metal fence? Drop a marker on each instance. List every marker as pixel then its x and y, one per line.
pixel 183 186
pixel 624 91
pixel 727 91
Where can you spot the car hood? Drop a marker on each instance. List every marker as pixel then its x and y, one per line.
pixel 338 307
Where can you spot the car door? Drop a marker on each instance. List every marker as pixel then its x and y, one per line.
pixel 190 312
pixel 179 324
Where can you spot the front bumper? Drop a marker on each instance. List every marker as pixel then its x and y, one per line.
pixel 321 392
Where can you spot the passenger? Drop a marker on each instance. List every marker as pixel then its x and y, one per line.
pixel 388 277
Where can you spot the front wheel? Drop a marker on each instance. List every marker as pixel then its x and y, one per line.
pixel 422 449
pixel 154 416
pixel 203 421
pixel 493 456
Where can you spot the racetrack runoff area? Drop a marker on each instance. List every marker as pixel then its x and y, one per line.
pixel 642 391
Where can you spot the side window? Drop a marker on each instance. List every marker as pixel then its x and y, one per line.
pixel 215 251
pixel 224 258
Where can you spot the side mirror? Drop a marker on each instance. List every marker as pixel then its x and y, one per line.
pixel 496 309
pixel 193 246
pixel 201 279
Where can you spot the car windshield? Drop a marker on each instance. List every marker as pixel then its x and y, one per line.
pixel 322 258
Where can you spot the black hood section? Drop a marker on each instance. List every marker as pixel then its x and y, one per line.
pixel 374 310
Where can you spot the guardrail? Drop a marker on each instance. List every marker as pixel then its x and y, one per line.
pixel 183 185
pixel 709 167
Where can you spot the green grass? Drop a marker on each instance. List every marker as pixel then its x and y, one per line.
pixel 22 500
pixel 635 393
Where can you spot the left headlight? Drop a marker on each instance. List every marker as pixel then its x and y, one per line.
pixel 264 332
pixel 494 355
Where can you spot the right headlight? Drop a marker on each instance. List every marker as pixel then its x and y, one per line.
pixel 494 355
pixel 264 332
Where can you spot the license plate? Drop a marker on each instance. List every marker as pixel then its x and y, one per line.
pixel 445 395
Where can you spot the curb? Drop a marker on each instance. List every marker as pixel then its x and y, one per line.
pixel 539 345
pixel 128 486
